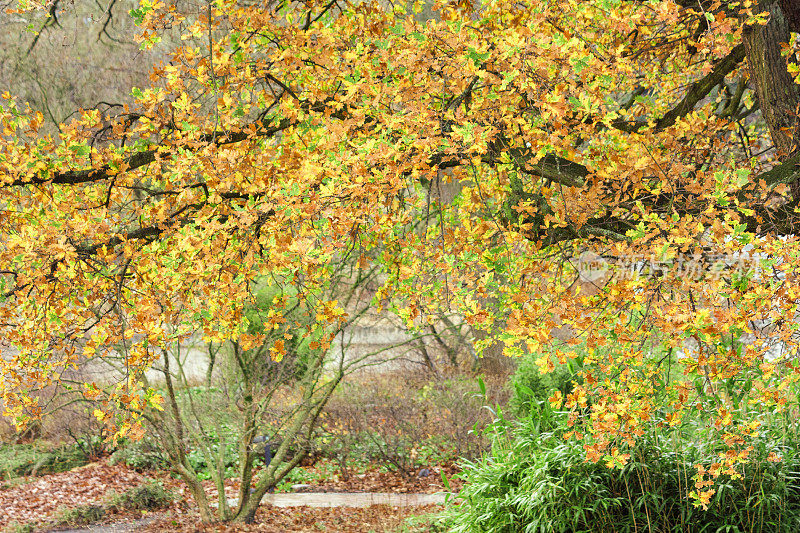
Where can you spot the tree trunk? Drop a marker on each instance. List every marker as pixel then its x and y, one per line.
pixel 247 513
pixel 778 95
pixel 493 361
pixel 198 492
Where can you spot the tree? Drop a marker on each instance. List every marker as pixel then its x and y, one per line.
pixel 100 40
pixel 223 419
pixel 281 136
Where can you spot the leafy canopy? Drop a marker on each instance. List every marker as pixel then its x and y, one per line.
pixel 474 152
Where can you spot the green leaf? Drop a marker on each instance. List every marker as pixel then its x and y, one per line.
pixel 445 481
pixel 477 57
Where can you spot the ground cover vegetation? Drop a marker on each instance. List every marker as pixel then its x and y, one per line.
pixel 534 479
pixel 96 491
pixel 341 457
pixel 608 186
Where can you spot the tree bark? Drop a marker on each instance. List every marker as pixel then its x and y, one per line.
pixel 791 10
pixel 778 95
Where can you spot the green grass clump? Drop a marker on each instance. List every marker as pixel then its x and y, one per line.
pixel 536 481
pixel 145 497
pixel 17 459
pixel 18 527
pixel 59 460
pixel 80 516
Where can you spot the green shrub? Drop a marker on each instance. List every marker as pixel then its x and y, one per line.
pixel 140 455
pixel 92 445
pixel 535 481
pixel 223 440
pixel 60 460
pixel 298 353
pixel 27 459
pixel 530 387
pixel 150 495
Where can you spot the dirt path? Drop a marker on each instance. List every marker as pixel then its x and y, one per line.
pixel 123 526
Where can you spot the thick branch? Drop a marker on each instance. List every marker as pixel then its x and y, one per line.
pixel 762 219
pixel 141 159
pixel 697 91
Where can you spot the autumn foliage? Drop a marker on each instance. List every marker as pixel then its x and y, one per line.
pixel 475 153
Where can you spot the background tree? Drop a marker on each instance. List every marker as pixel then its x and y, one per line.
pixel 73 56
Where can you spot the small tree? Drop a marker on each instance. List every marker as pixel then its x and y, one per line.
pixel 269 386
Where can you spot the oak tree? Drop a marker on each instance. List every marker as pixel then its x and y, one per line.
pixel 658 138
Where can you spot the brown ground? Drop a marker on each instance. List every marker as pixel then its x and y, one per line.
pixel 39 499
pixel 34 499
pixel 378 518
